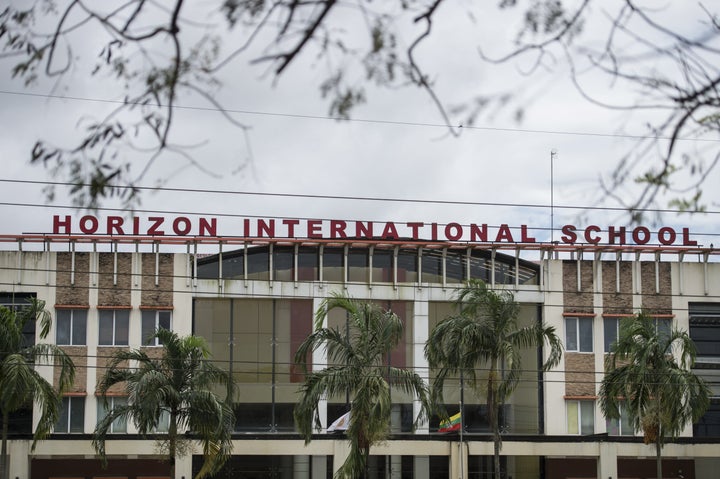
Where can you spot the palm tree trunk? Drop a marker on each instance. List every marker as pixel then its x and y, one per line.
pixel 4 462
pixel 658 458
pixel 172 444
pixel 493 417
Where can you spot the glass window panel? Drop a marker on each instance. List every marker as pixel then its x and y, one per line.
pixel 358 265
pixel 571 334
pixel 64 416
pixel 64 326
pixel 664 326
pixel 407 266
pixel 572 417
pixel 106 326
pixel 164 320
pixel 587 417
pixel 479 266
pixel 209 270
pixel 586 334
pixel 148 326
pixel 233 265
pixel 258 264
pixel 77 414
pixel 122 325
pixel 333 262
pixel 613 427
pixel 455 266
pixel 382 265
pixel 431 266
pixel 79 327
pixel 610 326
pixel 307 264
pixel 283 259
pixel 119 425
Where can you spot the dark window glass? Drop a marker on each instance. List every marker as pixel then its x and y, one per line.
pixel 233 266
pixel 152 320
pixel 283 264
pixel 71 327
pixel 709 423
pixel 480 266
pixel 358 265
pixel 16 301
pixel 307 264
pixel 407 266
pixel 333 264
pixel 382 265
pixel 431 266
pixel 610 328
pixel 455 266
pixel 72 415
pixel 209 269
pixel 113 325
pixel 258 264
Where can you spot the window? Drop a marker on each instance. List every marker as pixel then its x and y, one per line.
pixel 15 302
pixel 622 426
pixel 71 327
pixel 612 329
pixel 72 415
pixel 579 334
pixel 118 425
pixel 114 325
pixel 163 424
pixel 152 320
pixel 580 417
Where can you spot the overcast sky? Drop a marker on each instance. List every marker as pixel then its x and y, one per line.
pixel 395 146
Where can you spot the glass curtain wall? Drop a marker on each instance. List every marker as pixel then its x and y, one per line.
pixel 433 264
pixel 520 415
pixel 256 340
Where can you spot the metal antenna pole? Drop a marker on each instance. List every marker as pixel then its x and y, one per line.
pixel 553 154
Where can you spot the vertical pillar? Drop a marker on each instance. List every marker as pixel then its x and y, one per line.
pixel 183 465
pixel 421 331
pixel 607 462
pixel 319 361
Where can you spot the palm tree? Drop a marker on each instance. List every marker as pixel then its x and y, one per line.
pixel 485 334
pixel 357 366
pixel 176 387
pixel 658 394
pixel 20 384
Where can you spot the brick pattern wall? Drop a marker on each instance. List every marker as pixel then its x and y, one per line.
pixel 114 294
pixel 617 302
pixel 653 302
pixel 77 293
pixel 78 354
pixel 104 356
pixel 579 374
pixel 578 301
pixel 162 294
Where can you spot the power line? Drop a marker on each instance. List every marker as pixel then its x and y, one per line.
pixel 329 197
pixel 361 120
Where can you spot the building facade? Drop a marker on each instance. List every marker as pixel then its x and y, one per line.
pixel 254 301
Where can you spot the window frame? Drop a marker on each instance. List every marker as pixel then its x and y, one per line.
pixel 118 426
pixel 590 406
pixel 620 424
pixel 156 318
pixel 658 320
pixel 68 412
pixel 578 348
pixel 72 323
pixel 115 340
